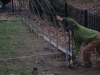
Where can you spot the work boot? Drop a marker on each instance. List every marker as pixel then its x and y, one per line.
pixel 87 65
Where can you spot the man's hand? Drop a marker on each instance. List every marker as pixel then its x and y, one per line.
pixel 59 18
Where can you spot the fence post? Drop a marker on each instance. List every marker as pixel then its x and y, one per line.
pixel 51 11
pixel 12 6
pixel 20 6
pixel 51 2
pixel 40 8
pixel 66 9
pixel 66 14
pixel 67 47
pixel 85 18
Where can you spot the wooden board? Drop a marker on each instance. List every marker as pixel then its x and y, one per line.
pixel 54 44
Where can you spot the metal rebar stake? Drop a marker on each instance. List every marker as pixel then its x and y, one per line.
pixel 67 55
pixel 36 30
pixel 50 42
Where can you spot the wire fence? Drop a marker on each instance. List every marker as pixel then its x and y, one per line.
pixel 83 17
pixel 14 6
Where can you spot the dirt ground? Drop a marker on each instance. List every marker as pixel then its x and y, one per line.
pixel 46 61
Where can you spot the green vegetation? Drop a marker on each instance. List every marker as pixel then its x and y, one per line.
pixel 13 35
pixel 10 36
pixel 17 45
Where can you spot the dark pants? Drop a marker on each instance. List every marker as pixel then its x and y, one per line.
pixel 90 47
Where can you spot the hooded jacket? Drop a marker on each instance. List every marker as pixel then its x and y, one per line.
pixel 81 34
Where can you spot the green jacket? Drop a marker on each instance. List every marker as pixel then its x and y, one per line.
pixel 81 34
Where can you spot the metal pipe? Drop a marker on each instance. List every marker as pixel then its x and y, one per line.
pixel 41 18
pixel 49 5
pixel 33 10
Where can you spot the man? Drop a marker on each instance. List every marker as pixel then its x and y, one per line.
pixel 83 34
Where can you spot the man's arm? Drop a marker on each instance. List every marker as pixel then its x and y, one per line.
pixel 69 20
